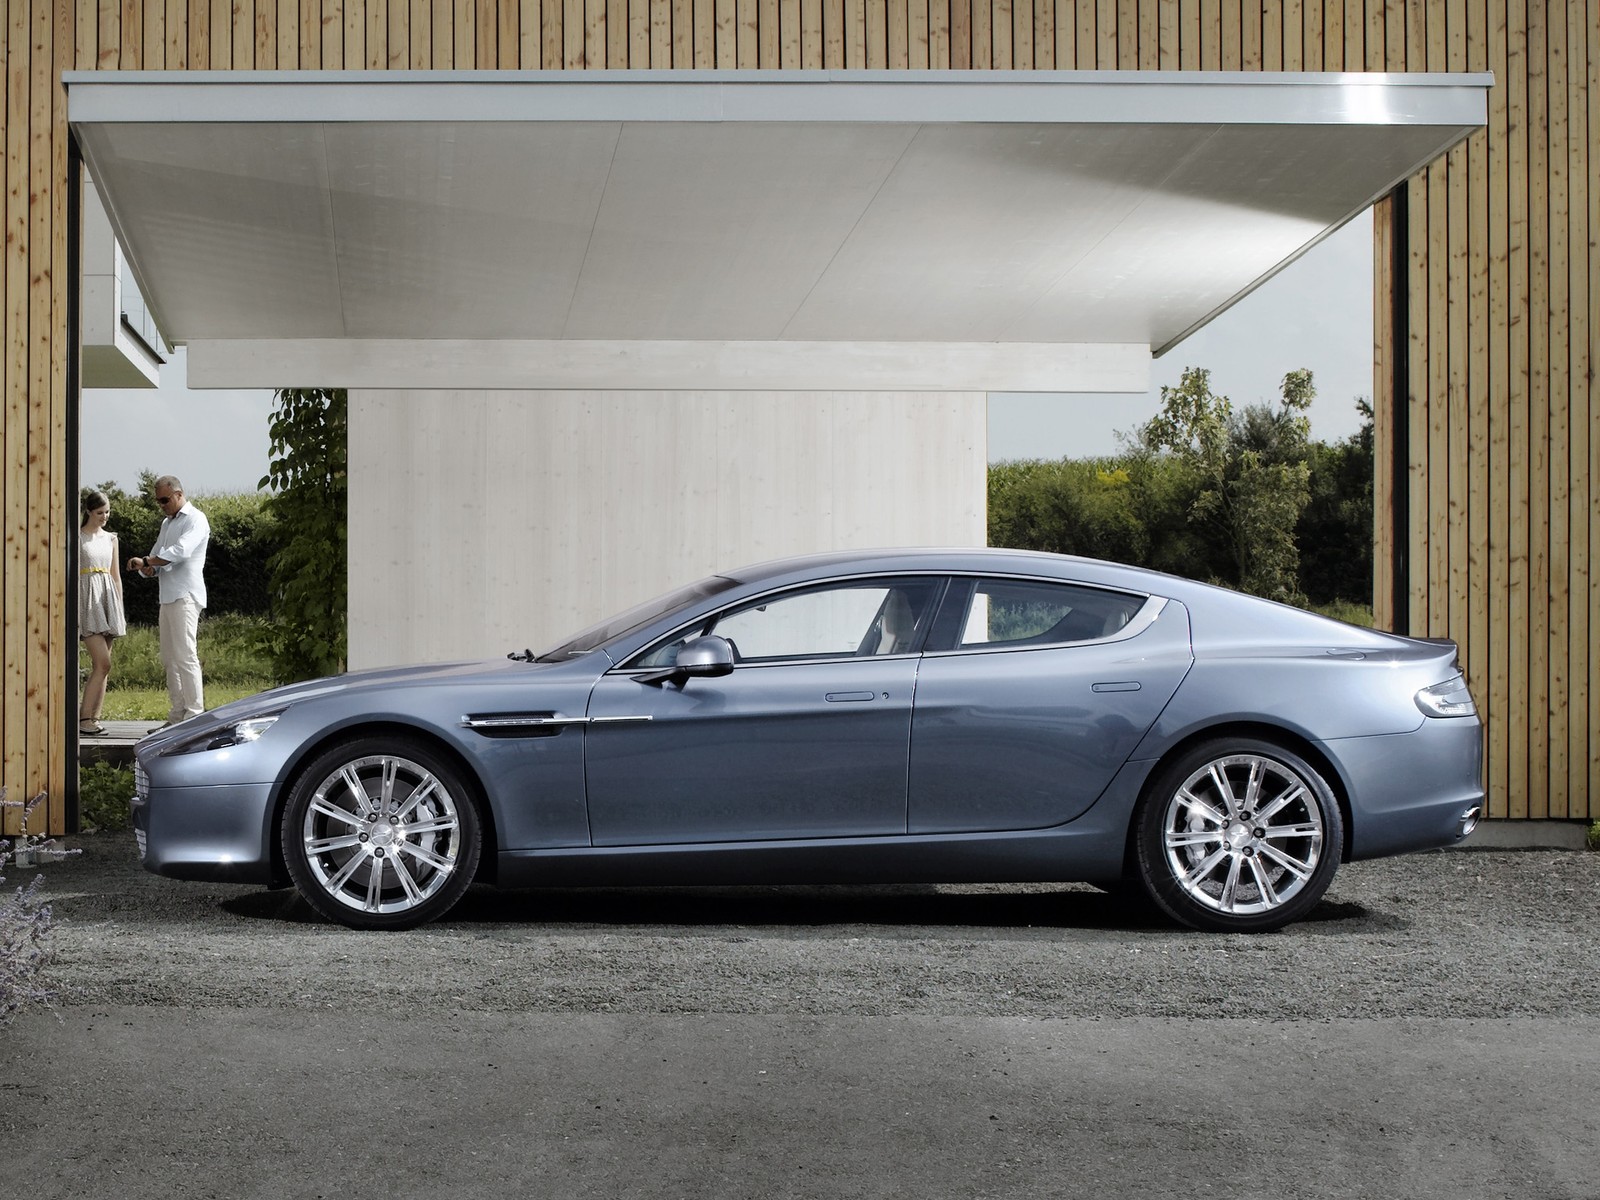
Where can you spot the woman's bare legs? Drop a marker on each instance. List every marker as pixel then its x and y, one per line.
pixel 94 688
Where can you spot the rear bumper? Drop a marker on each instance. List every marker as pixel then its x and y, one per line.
pixel 1412 791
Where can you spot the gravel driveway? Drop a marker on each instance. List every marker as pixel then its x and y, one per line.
pixel 1479 933
pixel 1429 1034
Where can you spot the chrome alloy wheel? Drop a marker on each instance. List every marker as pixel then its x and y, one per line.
pixel 1243 834
pixel 382 834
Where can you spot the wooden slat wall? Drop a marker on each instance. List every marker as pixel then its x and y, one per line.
pixel 1499 522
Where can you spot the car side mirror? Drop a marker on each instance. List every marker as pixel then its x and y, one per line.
pixel 699 658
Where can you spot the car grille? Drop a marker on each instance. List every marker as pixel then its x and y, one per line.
pixel 141 789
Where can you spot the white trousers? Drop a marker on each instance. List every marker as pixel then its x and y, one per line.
pixel 180 655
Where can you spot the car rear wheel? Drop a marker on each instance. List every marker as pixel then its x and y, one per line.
pixel 379 834
pixel 1239 836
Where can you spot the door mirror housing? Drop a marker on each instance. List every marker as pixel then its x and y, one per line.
pixel 699 658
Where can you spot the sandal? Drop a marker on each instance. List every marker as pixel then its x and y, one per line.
pixel 91 730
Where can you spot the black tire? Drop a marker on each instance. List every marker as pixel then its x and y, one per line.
pixel 381 834
pixel 1238 835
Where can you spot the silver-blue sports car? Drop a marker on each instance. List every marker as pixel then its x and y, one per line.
pixel 873 717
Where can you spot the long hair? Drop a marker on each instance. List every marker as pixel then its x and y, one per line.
pixel 91 501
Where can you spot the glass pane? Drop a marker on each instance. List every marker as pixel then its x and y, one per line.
pixel 1006 612
pixel 809 625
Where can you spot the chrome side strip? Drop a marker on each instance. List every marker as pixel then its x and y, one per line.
pixel 471 722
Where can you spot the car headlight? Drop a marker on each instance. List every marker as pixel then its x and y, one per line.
pixel 1448 699
pixel 237 734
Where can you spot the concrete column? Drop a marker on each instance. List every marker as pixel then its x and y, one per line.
pixel 486 521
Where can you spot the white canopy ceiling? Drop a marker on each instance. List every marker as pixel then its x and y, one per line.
pixel 736 207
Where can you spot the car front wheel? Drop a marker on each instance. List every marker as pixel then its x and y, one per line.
pixel 378 834
pixel 1238 836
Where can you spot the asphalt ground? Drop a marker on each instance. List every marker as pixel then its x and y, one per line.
pixel 1430 1031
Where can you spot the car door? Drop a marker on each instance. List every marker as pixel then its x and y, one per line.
pixel 807 737
pixel 1032 696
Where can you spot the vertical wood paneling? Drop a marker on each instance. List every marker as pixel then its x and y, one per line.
pixel 728 32
pixel 1250 35
pixel 1584 180
pixel 154 51
pixel 241 53
pixel 1539 414
pixel 62 559
pixel 748 49
pixel 40 692
pixel 1560 464
pixel 594 33
pixel 1149 35
pixel 1230 34
pixel 1492 685
pixel 705 32
pixel 419 34
pixel 980 26
pixel 1586 340
pixel 397 34
pixel 897 17
pixel 1385 282
pixel 15 758
pixel 130 25
pixel 1210 22
pixel 530 36
pixel 1517 401
pixel 616 34
pixel 1127 35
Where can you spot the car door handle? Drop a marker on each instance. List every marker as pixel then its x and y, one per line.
pixel 1128 685
pixel 848 697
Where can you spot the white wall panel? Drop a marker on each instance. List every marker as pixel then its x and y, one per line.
pixel 482 522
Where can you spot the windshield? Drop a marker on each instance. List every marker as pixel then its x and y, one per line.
pixel 635 618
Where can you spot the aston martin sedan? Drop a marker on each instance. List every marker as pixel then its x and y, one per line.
pixel 908 716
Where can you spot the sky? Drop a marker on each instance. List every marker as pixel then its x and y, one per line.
pixel 1316 314
pixel 213 441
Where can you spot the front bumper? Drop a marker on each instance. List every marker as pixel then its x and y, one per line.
pixel 219 833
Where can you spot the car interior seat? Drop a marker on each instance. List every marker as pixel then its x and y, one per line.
pixel 897 624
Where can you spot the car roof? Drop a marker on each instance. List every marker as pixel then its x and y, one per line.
pixel 914 558
pixel 966 559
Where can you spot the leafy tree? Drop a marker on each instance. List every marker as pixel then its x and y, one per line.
pixel 1073 506
pixel 1335 531
pixel 1205 492
pixel 1250 475
pixel 308 636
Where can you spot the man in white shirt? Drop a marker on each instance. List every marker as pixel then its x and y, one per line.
pixel 178 559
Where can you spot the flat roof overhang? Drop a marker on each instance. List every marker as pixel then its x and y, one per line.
pixel 1028 230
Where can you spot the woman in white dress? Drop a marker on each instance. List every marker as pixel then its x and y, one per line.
pixel 100 616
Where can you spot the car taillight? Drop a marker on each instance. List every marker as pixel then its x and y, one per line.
pixel 1448 699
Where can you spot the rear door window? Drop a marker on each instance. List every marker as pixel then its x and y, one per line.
pixel 1017 613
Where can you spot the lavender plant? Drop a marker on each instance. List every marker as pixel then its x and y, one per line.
pixel 25 919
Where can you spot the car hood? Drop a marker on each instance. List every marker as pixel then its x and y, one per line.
pixel 458 674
